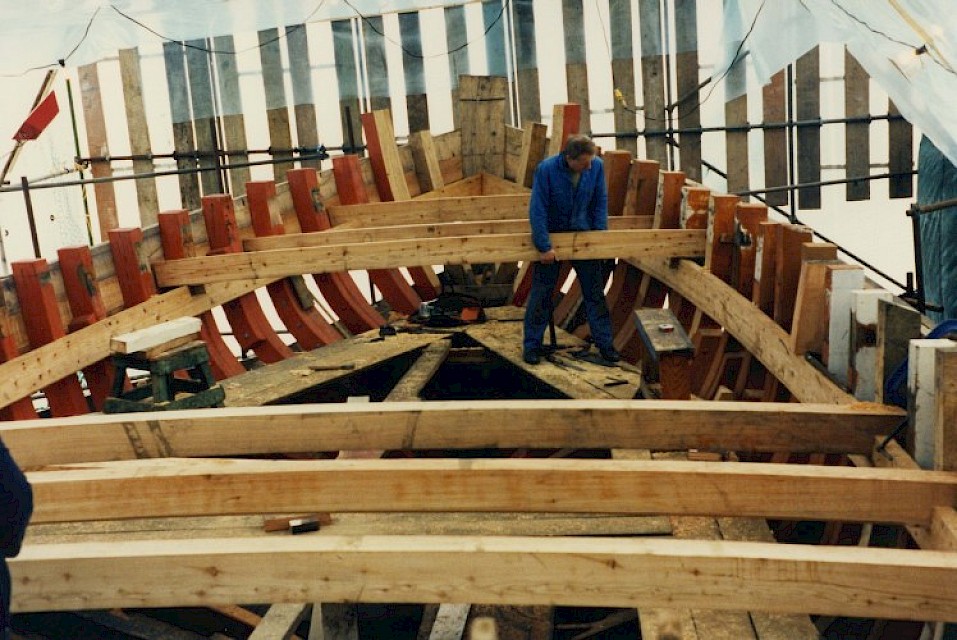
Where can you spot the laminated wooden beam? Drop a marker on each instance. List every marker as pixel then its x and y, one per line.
pixel 175 487
pixel 427 251
pixel 621 572
pixel 577 424
pixel 757 333
pixel 430 210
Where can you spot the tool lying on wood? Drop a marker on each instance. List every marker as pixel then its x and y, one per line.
pixel 345 366
pixel 298 524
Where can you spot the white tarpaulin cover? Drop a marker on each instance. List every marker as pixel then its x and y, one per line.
pixel 40 33
pixel 908 46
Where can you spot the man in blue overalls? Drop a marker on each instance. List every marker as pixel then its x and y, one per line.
pixel 568 194
pixel 16 505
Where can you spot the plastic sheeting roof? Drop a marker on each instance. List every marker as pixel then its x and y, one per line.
pixel 39 34
pixel 908 46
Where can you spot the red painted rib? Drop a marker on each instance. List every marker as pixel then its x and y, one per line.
pixel 339 289
pixel 132 266
pixel 306 324
pixel 38 305
pixel 176 236
pixel 22 409
pixel 250 326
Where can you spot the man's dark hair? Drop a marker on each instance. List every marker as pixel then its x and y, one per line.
pixel 579 145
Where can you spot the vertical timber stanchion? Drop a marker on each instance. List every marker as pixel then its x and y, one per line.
pixel 483 105
pixel 183 143
pixel 204 115
pixel 775 140
pixel 736 114
pixel 41 315
pixel 857 138
pixel 300 73
pixel 86 307
pixel 132 267
pixel 136 125
pixel 377 65
pixel 493 18
pixel 566 121
pixel 277 114
pixel 808 97
pixel 456 41
pixel 346 76
pixel 231 106
pixel 413 68
pixel 339 289
pixel 97 142
pixel 576 67
pixel 176 235
pixel 900 155
pixel 623 71
pixel 529 96
pixel 653 79
pixel 688 100
pixel 290 297
pixel 250 326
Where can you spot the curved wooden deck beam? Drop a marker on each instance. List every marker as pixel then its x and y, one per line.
pixel 620 572
pixel 250 326
pixel 177 487
pixel 39 306
pixel 578 424
pixel 393 285
pixel 300 316
pixel 176 237
pixel 338 288
pixel 86 307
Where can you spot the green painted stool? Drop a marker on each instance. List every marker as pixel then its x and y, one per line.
pixel 160 393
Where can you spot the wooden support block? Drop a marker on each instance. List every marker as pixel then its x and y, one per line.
pixel 668 348
pixel 176 236
pixel 132 266
pixel 719 252
pixel 294 304
pixel 339 289
pixel 617 169
pixel 426 161
pixel 86 307
pixel 390 282
pixel 44 326
pixel 764 266
pixel 566 122
pixel 749 216
pixel 809 326
pixel 697 207
pixel 818 251
pixel 787 270
pixel 922 398
pixel 897 325
pixel 250 326
pixel 945 434
pixel 534 141
pixel 157 335
pixel 862 372
pixel 840 281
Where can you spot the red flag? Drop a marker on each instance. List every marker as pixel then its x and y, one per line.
pixel 38 119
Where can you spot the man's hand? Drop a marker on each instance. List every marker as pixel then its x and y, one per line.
pixel 547 257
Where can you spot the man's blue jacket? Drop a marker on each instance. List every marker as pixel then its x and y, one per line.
pixel 557 205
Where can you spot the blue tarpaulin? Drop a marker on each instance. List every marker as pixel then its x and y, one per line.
pixel 936 182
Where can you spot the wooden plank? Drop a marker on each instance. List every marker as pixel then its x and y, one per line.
pixel 98 145
pixel 413 69
pixel 857 137
pixel 231 107
pixel 132 79
pixel 579 245
pixel 203 115
pixel 756 332
pixel 384 156
pixel 420 373
pixel 623 71
pixel 922 399
pixel 652 80
pixel 183 143
pixel 280 622
pixel 304 108
pixel 688 96
pixel 674 573
pixel 900 155
pixel 143 339
pixel 945 438
pixel 277 112
pixel 182 487
pixel 526 65
pixel 807 91
pixel 377 65
pixel 456 41
pixel 566 121
pixel 346 81
pixel 576 63
pixel 534 142
pixel 427 168
pixel 775 140
pixel 862 368
pixel 897 324
pixel 578 424
pixel 482 104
